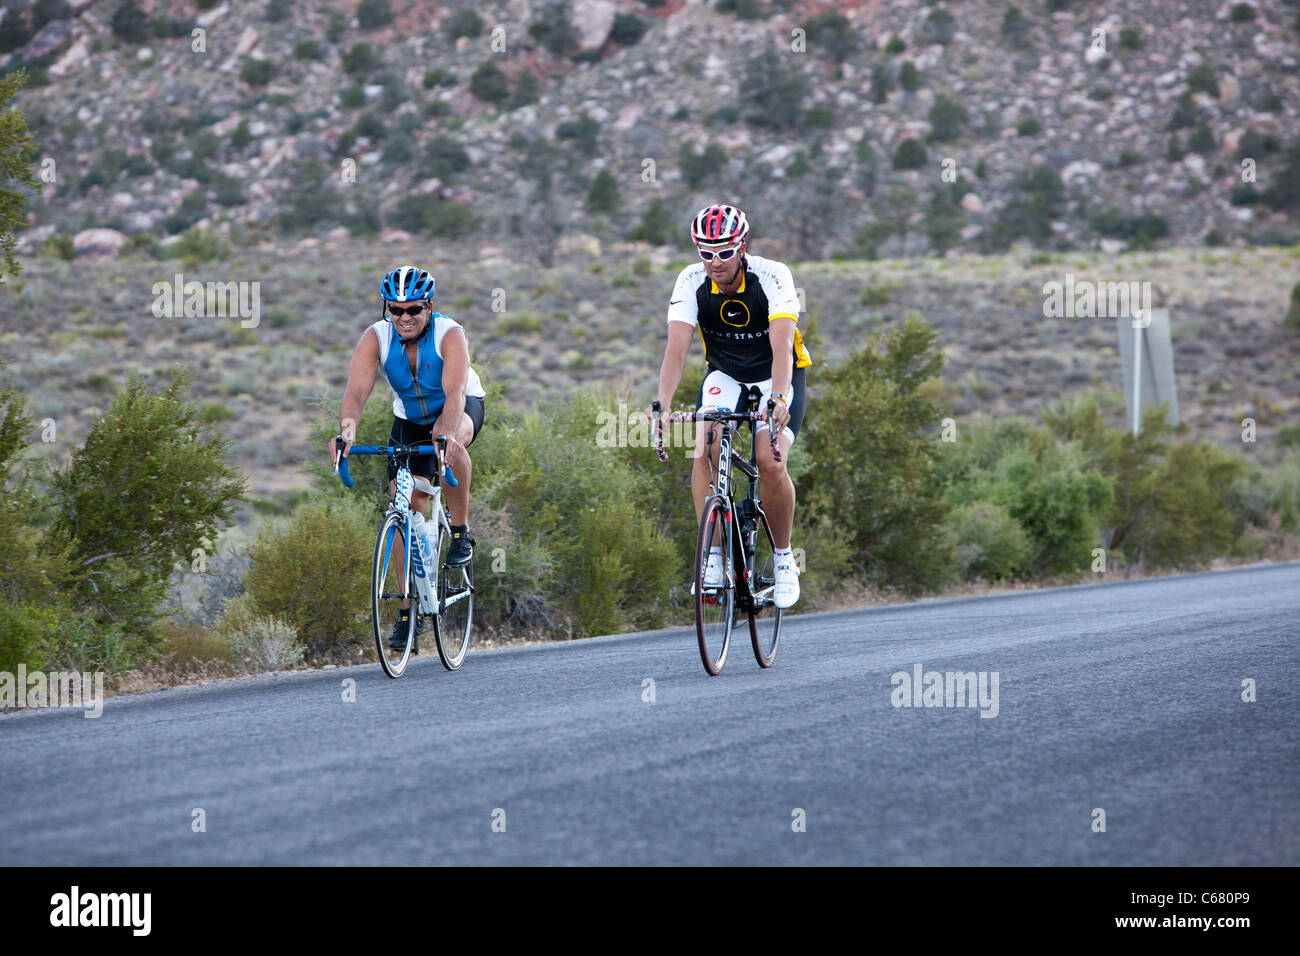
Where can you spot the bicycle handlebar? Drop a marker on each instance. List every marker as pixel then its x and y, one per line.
pixel 713 416
pixel 390 451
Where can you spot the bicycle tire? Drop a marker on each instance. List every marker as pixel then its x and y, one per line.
pixel 764 628
pixel 452 623
pixel 714 607
pixel 386 596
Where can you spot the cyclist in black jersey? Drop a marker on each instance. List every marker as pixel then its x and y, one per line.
pixel 746 311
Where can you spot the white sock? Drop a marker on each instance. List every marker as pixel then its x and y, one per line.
pixel 780 553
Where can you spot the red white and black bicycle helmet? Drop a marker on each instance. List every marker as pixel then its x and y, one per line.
pixel 719 225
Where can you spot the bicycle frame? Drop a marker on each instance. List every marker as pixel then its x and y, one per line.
pixel 403 487
pixel 747 518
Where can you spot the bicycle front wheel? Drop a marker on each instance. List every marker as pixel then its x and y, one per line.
pixel 715 598
pixel 454 616
pixel 764 615
pixel 391 582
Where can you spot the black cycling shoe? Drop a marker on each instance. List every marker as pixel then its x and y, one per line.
pixel 397 640
pixel 462 547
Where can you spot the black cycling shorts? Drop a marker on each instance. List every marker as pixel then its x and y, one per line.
pixel 406 432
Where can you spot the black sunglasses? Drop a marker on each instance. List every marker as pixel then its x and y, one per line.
pixel 401 310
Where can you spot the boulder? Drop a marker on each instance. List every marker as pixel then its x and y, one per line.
pixel 76 55
pixel 593 20
pixel 49 39
pixel 99 242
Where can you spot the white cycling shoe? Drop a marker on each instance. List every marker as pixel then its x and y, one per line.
pixel 712 572
pixel 786 590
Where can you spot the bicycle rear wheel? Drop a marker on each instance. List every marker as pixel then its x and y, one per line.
pixel 714 605
pixel 388 587
pixel 454 617
pixel 764 615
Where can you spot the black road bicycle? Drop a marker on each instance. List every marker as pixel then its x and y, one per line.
pixel 740 531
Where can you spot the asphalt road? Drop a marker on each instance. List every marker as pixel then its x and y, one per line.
pixel 1125 697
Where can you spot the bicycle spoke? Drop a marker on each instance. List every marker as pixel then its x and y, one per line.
pixel 714 596
pixel 388 588
pixel 455 595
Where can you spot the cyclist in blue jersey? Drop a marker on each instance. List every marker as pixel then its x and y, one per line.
pixel 424 356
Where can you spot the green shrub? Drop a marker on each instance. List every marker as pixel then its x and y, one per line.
pixel 1141 230
pixel 257 72
pixel 701 167
pixel 910 154
pixel 831 34
pixel 1202 140
pixel 489 84
pixel 307 50
pixel 462 23
pixel 874 474
pixel 277 11
pixel 908 77
pixel 445 158
pixel 215 412
pixel 130 23
pixel 553 29
pixel 59 246
pixel 659 225
pixel 360 59
pixel 200 245
pixel 1130 38
pixel 627 30
pixel 14 33
pixel 582 131
pixel 1015 28
pixel 26 632
pixel 895 44
pixel 947 118
pixel 882 83
pixel 1039 198
pixel 602 196
pixel 1201 79
pixel 229 191
pixel 107 499
pixel 579 532
pixel 312 573
pixel 373 14
pixel 527 90
pixel 939 26
pixel 989 543
pixel 431 215
pixel 773 93
pixel 1029 126
pixel 354 97
pixel 1292 318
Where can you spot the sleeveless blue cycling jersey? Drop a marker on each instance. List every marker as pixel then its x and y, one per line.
pixel 418 398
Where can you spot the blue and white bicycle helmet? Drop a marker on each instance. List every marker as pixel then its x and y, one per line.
pixel 407 284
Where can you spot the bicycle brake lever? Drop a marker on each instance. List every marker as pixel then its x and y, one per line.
pixel 776 447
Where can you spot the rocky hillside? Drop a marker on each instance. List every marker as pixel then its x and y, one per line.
pixel 862 128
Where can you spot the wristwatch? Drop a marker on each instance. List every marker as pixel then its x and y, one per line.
pixel 784 400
